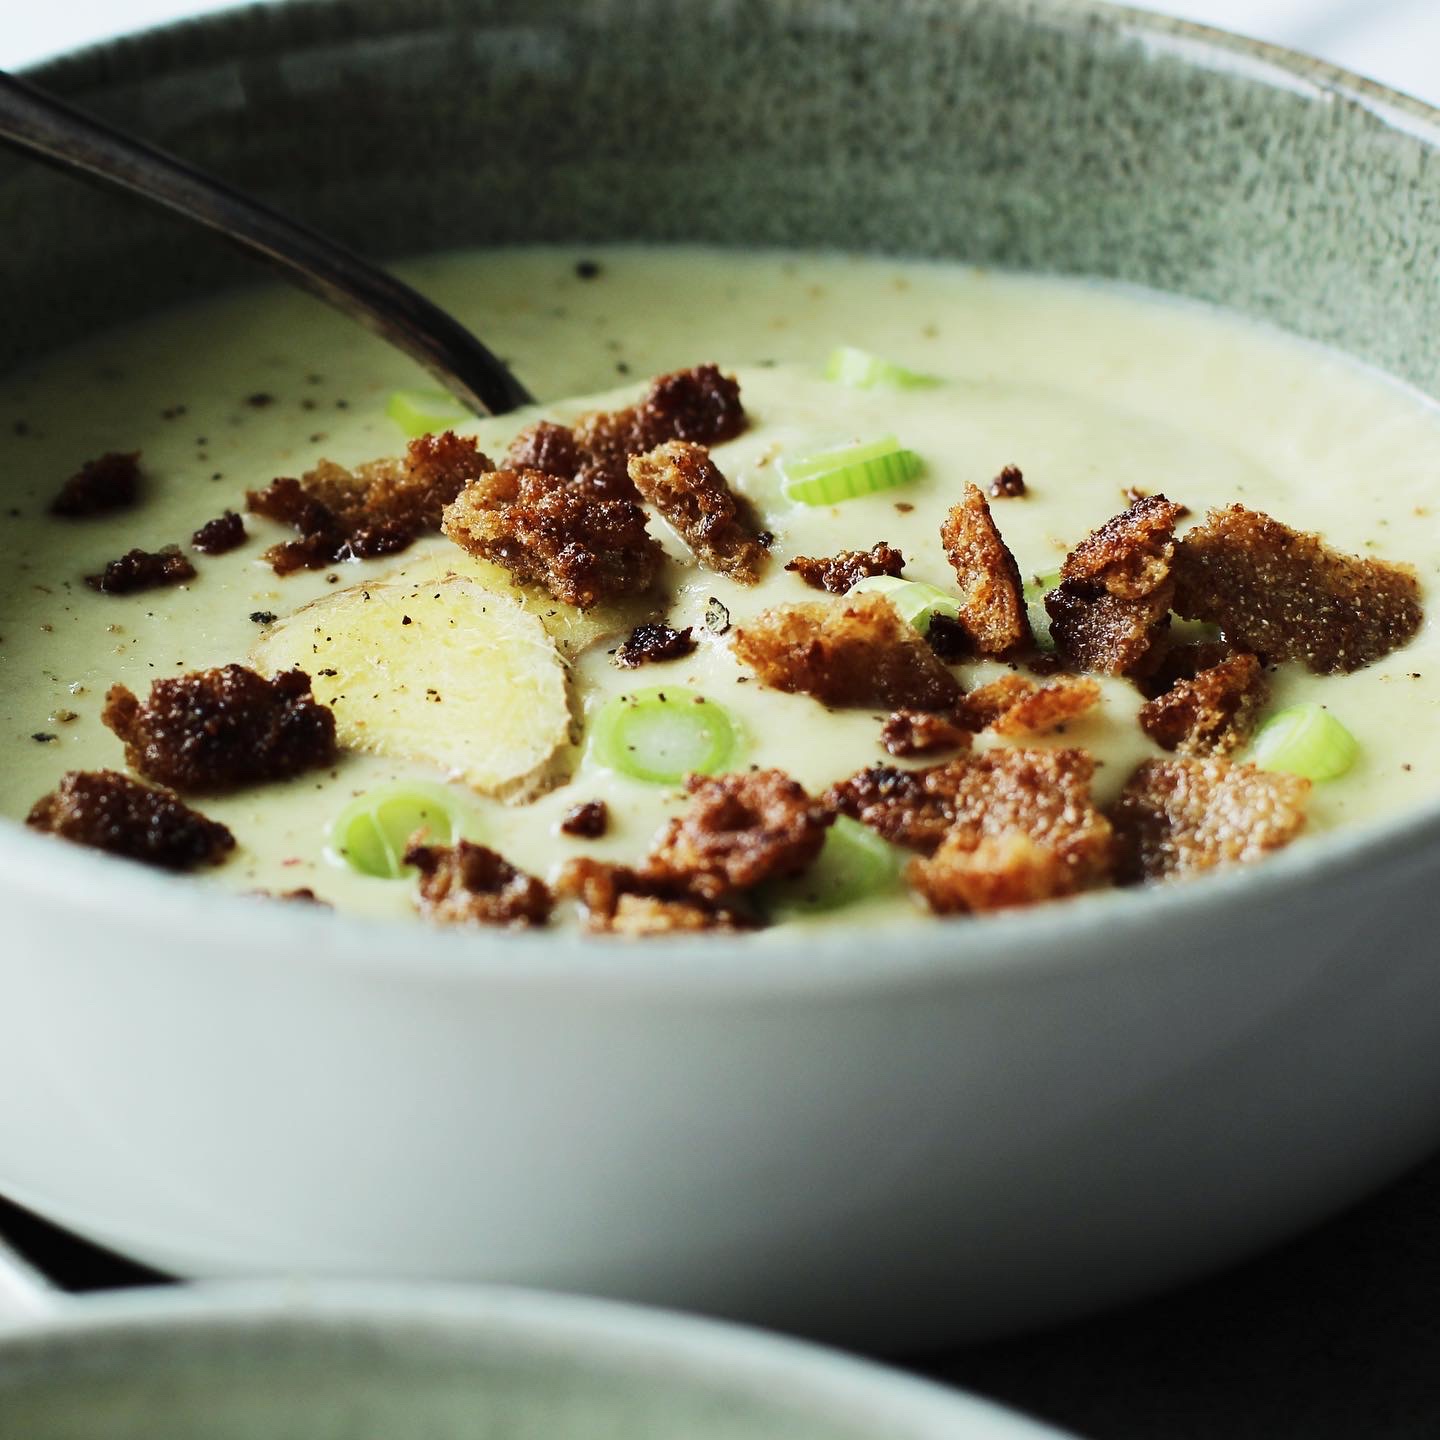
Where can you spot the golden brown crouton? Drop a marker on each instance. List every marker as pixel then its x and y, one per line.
pixel 700 405
pixel 1285 595
pixel 685 485
pixel 375 509
pixel 738 831
pixel 221 535
pixel 1013 705
pixel 920 732
pixel 546 447
pixel 215 729
pixel 1178 817
pixel 581 546
pixel 468 884
pixel 1022 828
pixel 837 573
pixel 109 811
pixel 992 602
pixel 619 900
pixel 906 807
pixel 1213 712
pixel 1111 611
pixel 856 651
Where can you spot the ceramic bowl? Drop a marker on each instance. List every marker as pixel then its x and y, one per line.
pixel 1000 1122
pixel 368 1363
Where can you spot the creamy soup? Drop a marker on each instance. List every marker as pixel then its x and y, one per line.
pixel 1089 389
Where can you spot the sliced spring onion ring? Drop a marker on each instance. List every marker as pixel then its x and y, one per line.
pixel 371 832
pixel 849 471
pixel 917 602
pixel 855 862
pixel 422 412
pixel 664 734
pixel 861 370
pixel 1305 740
pixel 1035 591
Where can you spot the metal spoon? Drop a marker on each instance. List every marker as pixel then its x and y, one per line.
pixel 35 122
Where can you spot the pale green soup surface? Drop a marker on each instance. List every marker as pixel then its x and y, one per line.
pixel 1089 389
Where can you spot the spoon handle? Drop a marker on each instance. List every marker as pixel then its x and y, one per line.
pixel 51 130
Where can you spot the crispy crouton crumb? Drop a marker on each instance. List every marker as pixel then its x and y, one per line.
pixel 100 486
pixel 1183 816
pixel 582 547
pixel 1111 611
pixel 738 831
pixel 109 811
pixel 1013 705
pixel 949 639
pixel 587 821
pixel 992 604
pixel 142 570
pixel 997 872
pixel 685 485
pixel 546 447
pixel 1213 712
pixel 856 651
pixel 219 536
pixel 377 509
pixel 918 732
pixel 468 884
pixel 1285 595
pixel 1021 829
pixel 654 641
pixel 215 729
pixel 1043 793
pixel 619 900
pixel 837 573
pixel 1009 484
pixel 700 405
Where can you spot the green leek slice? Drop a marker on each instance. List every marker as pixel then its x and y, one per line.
pixel 854 863
pixel 1035 591
pixel 664 734
pixel 423 412
pixel 861 370
pixel 371 832
pixel 849 471
pixel 917 602
pixel 1305 740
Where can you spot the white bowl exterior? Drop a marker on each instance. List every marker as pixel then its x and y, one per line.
pixel 934 1147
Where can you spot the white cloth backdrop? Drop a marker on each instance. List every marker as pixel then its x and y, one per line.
pixel 1395 41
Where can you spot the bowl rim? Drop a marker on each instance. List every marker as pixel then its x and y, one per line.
pixel 1006 945
pixel 619 1338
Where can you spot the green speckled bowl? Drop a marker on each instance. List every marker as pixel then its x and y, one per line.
pixel 1012 1121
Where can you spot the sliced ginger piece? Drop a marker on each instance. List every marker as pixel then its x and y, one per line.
pixel 572 629
pixel 442 671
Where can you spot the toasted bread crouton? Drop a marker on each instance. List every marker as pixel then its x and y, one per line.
pixel 855 651
pixel 376 509
pixel 1211 713
pixel 216 729
pixel 621 900
pixel 992 601
pixel 1182 816
pixel 468 884
pixel 739 831
pixel 1286 595
pixel 685 485
pixel 921 732
pixel 582 547
pixel 1022 828
pixel 1111 610
pixel 109 811
pixel 837 573
pixel 1013 705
